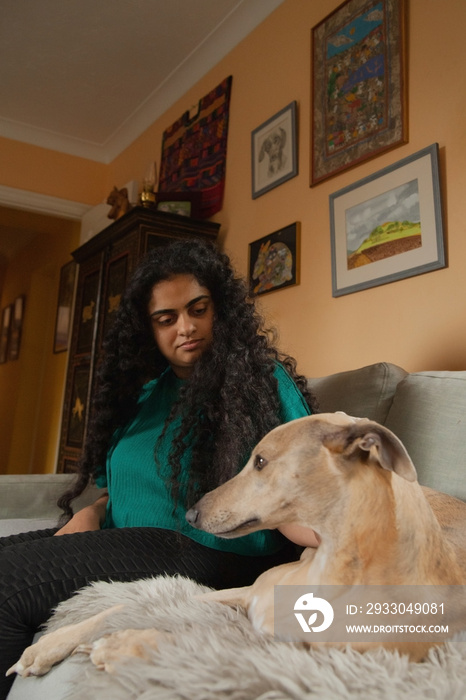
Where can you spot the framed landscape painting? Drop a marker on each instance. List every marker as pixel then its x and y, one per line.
pixel 388 226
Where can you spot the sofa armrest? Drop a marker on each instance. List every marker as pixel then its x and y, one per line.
pixel 427 414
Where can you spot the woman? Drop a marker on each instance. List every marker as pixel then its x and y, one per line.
pixel 189 382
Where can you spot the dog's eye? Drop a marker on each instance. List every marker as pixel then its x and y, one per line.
pixel 259 462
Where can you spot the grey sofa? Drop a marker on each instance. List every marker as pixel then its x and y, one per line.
pixel 427 410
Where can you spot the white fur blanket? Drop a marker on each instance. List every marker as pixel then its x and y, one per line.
pixel 218 656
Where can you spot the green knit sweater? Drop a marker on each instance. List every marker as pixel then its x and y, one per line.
pixel 138 492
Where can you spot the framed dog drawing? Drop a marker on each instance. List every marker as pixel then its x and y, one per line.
pixel 274 151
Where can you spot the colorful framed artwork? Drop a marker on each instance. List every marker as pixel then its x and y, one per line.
pixel 64 307
pixel 274 151
pixel 359 86
pixel 16 328
pixel 274 261
pixel 5 333
pixel 388 226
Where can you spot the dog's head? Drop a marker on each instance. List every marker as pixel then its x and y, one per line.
pixel 298 472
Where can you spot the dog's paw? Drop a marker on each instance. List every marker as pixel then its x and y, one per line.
pixel 114 649
pixel 36 660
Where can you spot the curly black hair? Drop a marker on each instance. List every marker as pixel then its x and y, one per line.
pixel 229 402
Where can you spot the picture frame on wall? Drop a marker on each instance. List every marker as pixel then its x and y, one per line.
pixel 16 327
pixel 180 203
pixel 274 261
pixel 388 226
pixel 66 291
pixel 5 333
pixel 274 151
pixel 359 85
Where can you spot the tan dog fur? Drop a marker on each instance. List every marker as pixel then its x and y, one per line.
pixel 351 481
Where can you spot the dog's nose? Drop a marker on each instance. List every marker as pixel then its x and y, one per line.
pixel 192 516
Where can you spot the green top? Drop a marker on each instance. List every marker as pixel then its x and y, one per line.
pixel 139 494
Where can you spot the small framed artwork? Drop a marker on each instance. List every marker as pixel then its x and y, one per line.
pixel 16 328
pixel 64 306
pixel 180 203
pixel 359 87
pixel 388 226
pixel 274 261
pixel 5 333
pixel 274 151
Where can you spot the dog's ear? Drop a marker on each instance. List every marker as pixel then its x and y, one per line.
pixel 265 148
pixel 381 445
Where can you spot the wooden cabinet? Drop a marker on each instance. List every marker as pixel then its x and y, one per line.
pixel 105 265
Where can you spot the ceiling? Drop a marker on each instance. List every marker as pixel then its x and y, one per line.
pixel 87 77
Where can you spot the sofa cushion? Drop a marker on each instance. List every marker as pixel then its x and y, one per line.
pixel 13 526
pixel 428 414
pixel 367 392
pixel 36 495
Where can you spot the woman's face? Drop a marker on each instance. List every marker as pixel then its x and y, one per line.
pixel 182 314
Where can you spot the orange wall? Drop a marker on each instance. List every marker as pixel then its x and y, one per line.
pixel 31 388
pixel 41 170
pixel 418 322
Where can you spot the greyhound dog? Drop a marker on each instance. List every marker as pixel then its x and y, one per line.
pixel 353 483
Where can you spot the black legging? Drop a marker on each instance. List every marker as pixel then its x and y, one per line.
pixel 37 571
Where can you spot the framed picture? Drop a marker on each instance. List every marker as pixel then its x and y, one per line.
pixel 64 306
pixel 388 226
pixel 16 328
pixel 5 333
pixel 274 261
pixel 359 93
pixel 181 203
pixel 274 151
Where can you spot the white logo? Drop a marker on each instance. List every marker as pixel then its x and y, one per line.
pixel 308 603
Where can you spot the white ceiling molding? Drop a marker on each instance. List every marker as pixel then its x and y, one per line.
pixel 43 138
pixel 42 203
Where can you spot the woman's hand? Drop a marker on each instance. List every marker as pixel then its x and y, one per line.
pixel 89 518
pixel 301 535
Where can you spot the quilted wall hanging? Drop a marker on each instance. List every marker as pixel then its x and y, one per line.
pixel 194 151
